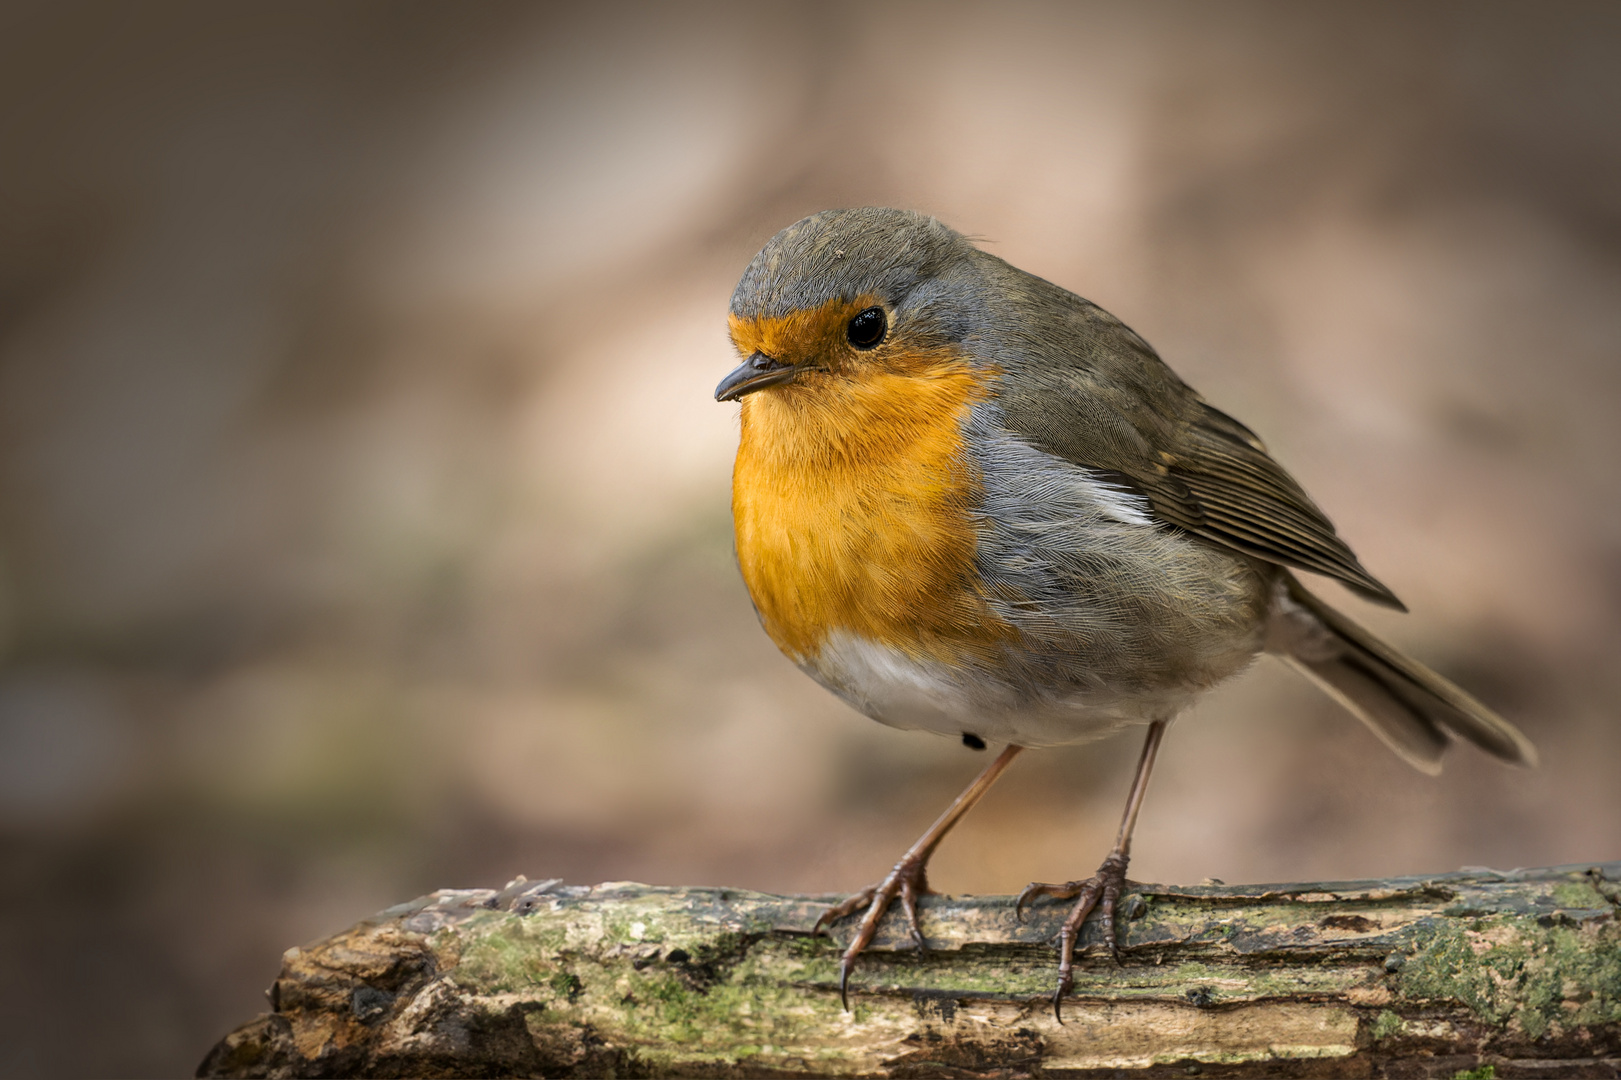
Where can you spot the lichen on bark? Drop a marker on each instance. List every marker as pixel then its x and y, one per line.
pixel 1517 971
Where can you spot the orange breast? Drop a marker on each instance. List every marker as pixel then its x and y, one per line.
pixel 852 501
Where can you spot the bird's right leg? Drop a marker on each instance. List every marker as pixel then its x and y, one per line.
pixel 1102 890
pixel 908 880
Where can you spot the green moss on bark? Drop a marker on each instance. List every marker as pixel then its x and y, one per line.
pixel 631 980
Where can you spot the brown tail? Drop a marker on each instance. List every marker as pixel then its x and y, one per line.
pixel 1410 707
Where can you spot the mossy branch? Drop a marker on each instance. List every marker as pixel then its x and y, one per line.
pixel 1515 973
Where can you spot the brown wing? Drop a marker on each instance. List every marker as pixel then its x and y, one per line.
pixel 1219 482
pixel 1089 390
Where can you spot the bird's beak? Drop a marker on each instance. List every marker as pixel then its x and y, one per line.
pixel 756 373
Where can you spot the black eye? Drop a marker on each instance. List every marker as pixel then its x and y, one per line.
pixel 867 329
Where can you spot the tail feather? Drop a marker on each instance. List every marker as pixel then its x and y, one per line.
pixel 1407 705
pixel 1413 736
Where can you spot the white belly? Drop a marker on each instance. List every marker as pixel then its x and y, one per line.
pixel 892 688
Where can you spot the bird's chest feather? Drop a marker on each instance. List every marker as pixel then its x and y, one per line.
pixel 853 506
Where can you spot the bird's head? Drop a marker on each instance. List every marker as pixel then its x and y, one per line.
pixel 847 295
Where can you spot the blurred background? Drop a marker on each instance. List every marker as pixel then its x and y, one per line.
pixel 363 504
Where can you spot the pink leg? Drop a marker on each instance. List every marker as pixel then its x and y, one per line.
pixel 908 880
pixel 1101 890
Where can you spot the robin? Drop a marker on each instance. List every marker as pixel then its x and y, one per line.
pixel 970 502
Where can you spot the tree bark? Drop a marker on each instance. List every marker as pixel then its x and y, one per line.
pixel 1509 974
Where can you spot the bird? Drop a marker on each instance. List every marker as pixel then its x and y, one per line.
pixel 970 502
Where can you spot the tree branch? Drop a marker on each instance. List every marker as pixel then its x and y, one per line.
pixel 1421 976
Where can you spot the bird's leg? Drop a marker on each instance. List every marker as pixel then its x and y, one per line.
pixel 1101 890
pixel 908 880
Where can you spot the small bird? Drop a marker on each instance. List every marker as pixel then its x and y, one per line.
pixel 970 502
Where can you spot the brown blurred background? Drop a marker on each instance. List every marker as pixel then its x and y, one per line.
pixel 363 505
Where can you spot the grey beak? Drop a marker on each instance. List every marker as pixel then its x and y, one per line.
pixel 756 373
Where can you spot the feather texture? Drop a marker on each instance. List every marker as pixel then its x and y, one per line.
pixel 1089 390
pixel 1413 709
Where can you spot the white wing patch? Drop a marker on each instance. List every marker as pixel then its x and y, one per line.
pixel 1124 506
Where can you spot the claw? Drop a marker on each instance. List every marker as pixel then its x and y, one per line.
pixel 905 883
pixel 909 906
pixel 1024 898
pixel 1066 961
pixel 848 907
pixel 1066 947
pixel 1065 891
pixel 1102 891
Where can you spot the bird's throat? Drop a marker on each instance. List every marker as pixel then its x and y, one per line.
pixel 853 501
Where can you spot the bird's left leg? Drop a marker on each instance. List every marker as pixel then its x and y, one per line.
pixel 907 881
pixel 1101 890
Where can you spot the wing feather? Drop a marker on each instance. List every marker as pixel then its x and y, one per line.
pixel 1097 395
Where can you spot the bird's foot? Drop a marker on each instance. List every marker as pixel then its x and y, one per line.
pixel 906 882
pixel 1102 891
